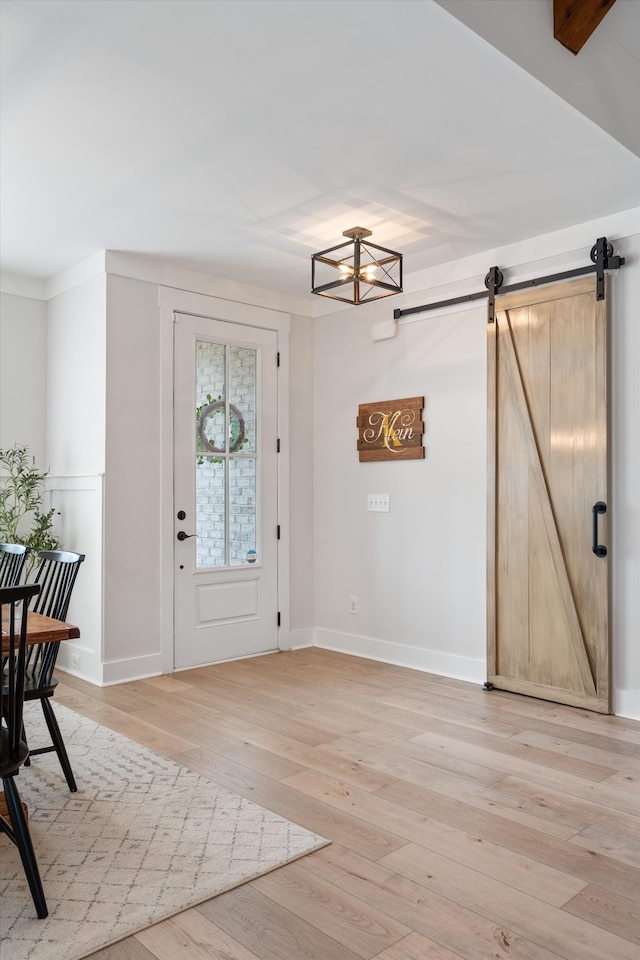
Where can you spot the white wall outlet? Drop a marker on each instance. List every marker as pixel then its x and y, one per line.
pixel 353 605
pixel 75 661
pixel 378 502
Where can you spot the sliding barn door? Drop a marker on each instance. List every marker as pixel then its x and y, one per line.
pixel 548 591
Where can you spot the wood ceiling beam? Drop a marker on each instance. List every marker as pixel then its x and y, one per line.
pixel 575 20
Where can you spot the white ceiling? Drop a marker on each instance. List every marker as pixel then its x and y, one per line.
pixel 237 137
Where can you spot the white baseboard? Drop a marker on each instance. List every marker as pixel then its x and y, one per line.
pixel 88 667
pixel 133 668
pixel 80 674
pixel 401 655
pixel 626 703
pixel 301 638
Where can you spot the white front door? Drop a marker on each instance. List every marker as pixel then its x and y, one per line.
pixel 225 491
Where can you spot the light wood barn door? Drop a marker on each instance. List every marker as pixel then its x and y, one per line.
pixel 548 592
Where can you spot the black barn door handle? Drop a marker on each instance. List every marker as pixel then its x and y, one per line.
pixel 598 548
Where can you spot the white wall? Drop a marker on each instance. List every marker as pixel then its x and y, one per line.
pixel 23 348
pixel 132 583
pixel 75 419
pixel 76 331
pixel 419 571
pixel 625 474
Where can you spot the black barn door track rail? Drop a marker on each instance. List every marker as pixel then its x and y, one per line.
pixel 602 258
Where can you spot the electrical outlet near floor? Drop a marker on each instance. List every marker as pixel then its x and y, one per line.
pixel 353 605
pixel 75 661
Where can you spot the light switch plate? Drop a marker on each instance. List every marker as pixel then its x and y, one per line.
pixel 378 502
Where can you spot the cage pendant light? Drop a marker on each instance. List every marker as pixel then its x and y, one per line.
pixel 357 271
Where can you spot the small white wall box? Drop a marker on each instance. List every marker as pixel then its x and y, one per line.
pixel 384 330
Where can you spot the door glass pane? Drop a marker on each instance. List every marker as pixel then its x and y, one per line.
pixel 225 454
pixel 210 512
pixel 210 397
pixel 242 399
pixel 242 510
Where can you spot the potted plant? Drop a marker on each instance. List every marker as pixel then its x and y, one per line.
pixel 22 515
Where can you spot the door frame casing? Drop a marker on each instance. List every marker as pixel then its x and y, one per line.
pixel 170 302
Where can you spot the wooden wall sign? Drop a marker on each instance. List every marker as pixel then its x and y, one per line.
pixel 391 430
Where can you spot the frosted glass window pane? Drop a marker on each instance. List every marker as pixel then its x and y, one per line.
pixel 242 511
pixel 210 512
pixel 210 397
pixel 242 397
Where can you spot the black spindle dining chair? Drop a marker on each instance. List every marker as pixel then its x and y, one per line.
pixel 13 748
pixel 12 558
pixel 56 576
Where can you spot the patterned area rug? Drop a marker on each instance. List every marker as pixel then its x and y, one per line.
pixel 141 840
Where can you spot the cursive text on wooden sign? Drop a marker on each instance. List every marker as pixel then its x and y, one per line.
pixel 391 430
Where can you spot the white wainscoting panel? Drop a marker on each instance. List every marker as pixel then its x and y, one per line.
pixel 78 501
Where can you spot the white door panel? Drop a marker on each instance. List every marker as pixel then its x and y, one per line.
pixel 225 490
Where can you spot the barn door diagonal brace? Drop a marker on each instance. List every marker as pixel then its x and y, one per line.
pixel 602 259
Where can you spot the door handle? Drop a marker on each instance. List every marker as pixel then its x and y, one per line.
pixel 598 548
pixel 185 536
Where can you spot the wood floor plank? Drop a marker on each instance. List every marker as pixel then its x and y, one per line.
pixel 279 722
pixel 511 832
pixel 440 714
pixel 489 859
pixel 477 712
pixel 128 949
pixel 457 787
pixel 583 864
pixel 571 780
pixel 625 781
pixel 191 934
pixel 308 811
pixel 417 947
pixel 212 732
pixel 168 683
pixel 452 926
pixel 490 799
pixel 448 717
pixel 548 926
pixel 556 803
pixel 628 748
pixel 510 756
pixel 262 925
pixel 124 696
pixel 596 724
pixel 610 844
pixel 616 914
pixel 344 720
pixel 262 695
pixel 319 758
pixel 129 726
pixel 364 930
pixel 410 762
pixel 626 763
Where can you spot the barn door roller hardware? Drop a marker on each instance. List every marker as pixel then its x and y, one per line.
pixel 602 258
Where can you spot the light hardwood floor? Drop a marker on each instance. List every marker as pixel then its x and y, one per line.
pixel 464 824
